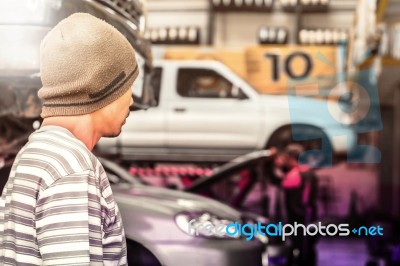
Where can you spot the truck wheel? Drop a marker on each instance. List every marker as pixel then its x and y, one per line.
pixel 319 155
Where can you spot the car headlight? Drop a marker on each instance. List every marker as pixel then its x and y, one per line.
pixel 204 224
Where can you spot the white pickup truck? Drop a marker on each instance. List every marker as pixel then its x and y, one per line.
pixel 205 112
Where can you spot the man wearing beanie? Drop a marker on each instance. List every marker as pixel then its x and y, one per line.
pixel 57 207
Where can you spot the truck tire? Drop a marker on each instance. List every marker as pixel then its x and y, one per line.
pixel 321 155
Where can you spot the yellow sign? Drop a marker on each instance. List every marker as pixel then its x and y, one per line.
pixel 268 68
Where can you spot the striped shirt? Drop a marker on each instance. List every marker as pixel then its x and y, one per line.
pixel 57 207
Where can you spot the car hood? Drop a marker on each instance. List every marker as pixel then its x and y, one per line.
pixel 169 202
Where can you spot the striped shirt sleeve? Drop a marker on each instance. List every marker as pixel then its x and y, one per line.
pixel 68 221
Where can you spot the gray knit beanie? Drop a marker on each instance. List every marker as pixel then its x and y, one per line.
pixel 85 64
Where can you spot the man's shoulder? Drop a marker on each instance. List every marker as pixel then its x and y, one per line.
pixel 58 154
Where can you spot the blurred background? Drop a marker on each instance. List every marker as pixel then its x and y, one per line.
pixel 341 37
pixel 222 79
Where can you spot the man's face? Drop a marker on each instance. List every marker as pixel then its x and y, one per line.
pixel 112 117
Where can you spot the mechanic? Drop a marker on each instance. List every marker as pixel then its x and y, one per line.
pixel 57 207
pixel 300 186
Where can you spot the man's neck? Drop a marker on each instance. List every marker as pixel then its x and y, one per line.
pixel 82 127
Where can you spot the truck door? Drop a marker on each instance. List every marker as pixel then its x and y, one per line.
pixel 209 113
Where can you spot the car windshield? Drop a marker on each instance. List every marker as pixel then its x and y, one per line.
pixel 233 182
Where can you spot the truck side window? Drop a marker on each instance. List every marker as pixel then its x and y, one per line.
pixel 204 83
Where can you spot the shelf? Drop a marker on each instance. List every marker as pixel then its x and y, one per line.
pixel 242 5
pixel 386 61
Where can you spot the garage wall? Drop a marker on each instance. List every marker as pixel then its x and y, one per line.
pixel 164 13
pixel 240 29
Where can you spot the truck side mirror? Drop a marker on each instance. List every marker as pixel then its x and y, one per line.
pixel 238 93
pixel 144 96
pixel 242 95
pixel 137 105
